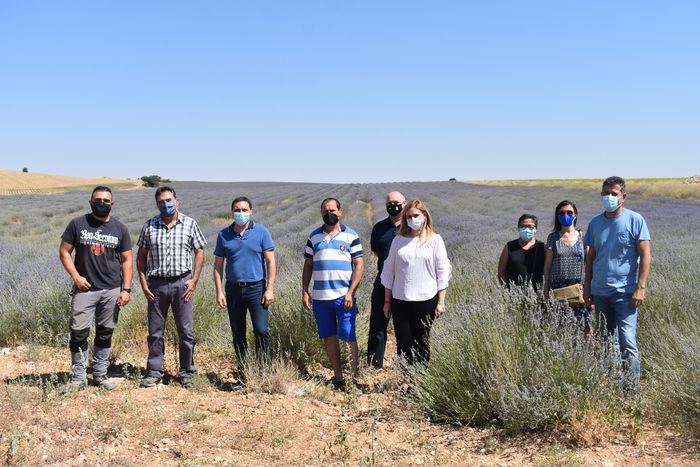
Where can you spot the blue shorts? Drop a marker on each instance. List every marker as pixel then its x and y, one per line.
pixel 333 320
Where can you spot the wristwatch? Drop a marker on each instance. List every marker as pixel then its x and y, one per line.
pixel 128 290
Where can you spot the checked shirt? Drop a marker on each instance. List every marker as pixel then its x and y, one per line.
pixel 170 250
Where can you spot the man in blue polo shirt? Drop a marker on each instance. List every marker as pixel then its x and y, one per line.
pixel 249 253
pixel 617 268
pixel 333 257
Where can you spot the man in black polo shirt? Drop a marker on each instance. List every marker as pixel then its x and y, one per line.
pixel 383 233
pixel 101 274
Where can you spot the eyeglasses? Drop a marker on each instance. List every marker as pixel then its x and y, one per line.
pixel 105 201
pixel 562 213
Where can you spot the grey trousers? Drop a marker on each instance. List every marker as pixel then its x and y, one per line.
pixel 168 293
pixel 99 305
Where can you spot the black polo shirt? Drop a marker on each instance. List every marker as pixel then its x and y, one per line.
pixel 383 233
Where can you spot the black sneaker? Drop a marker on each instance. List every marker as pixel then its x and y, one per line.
pixel 186 382
pixel 103 382
pixel 338 383
pixel 150 381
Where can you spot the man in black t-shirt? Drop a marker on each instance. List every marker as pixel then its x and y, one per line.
pixel 383 234
pixel 101 273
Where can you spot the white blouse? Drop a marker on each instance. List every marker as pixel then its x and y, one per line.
pixel 416 272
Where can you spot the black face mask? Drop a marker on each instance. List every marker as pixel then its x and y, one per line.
pixel 100 208
pixel 394 209
pixel 330 218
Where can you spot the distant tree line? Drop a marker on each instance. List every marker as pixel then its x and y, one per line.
pixel 154 180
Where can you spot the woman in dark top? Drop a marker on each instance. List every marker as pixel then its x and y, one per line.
pixel 565 257
pixel 522 259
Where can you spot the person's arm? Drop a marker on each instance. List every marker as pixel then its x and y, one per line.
pixel 305 282
pixel 271 268
pixel 548 257
pixel 64 254
pixel 218 275
pixel 191 284
pixel 644 250
pixel 503 267
pixel 358 268
pixel 590 257
pixel 387 277
pixel 127 260
pixel 443 272
pixel 141 265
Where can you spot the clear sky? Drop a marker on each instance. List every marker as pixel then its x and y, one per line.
pixel 350 91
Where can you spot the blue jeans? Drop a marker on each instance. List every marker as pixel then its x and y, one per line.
pixel 616 318
pixel 239 300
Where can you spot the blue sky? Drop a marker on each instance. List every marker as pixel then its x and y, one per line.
pixel 357 91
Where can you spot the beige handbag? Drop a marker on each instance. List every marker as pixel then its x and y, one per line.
pixel 571 294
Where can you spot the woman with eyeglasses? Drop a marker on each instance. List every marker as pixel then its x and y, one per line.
pixel 565 257
pixel 522 259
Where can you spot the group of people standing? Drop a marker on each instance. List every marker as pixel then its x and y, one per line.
pixel 413 276
pixel 610 265
pixel 169 262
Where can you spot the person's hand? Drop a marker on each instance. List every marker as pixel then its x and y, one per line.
pixel 545 292
pixel 588 298
pixel 637 297
pixel 221 300
pixel 439 309
pixel 190 286
pixel 387 310
pixel 268 298
pixel 124 298
pixel 348 301
pixel 82 283
pixel 306 300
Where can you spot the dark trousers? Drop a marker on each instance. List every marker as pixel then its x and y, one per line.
pixel 376 340
pixel 240 300
pixel 168 293
pixel 412 321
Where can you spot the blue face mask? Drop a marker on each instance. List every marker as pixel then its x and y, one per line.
pixel 241 218
pixel 610 203
pixel 566 220
pixel 525 233
pixel 167 208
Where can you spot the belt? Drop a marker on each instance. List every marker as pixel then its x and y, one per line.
pixel 184 274
pixel 244 284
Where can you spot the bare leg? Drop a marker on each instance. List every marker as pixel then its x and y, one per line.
pixel 333 352
pixel 354 356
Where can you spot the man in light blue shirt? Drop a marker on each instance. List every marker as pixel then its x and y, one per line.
pixel 617 269
pixel 249 253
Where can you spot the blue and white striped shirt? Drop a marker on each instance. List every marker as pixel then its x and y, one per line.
pixel 332 261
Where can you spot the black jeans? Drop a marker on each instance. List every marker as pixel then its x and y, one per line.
pixel 376 340
pixel 412 321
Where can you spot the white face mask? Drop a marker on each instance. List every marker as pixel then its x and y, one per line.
pixel 415 223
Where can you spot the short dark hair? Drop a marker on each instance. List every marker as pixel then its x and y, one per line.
pixel 101 188
pixel 241 199
pixel 528 216
pixel 163 189
pixel 323 203
pixel 615 180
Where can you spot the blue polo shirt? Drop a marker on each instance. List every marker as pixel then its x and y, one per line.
pixel 244 254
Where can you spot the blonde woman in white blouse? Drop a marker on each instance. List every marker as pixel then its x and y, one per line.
pixel 415 276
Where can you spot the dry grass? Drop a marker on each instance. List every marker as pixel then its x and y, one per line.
pixel 13 182
pixel 667 187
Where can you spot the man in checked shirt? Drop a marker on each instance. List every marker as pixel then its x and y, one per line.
pixel 169 277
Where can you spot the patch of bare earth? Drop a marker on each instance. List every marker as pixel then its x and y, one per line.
pixel 19 183
pixel 302 422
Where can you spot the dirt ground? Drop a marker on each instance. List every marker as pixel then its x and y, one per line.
pixel 221 422
pixel 14 182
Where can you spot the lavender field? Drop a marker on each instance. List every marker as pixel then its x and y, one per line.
pixel 496 360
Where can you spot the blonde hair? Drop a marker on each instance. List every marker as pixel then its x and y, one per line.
pixel 426 231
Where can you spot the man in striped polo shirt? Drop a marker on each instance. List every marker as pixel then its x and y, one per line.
pixel 333 257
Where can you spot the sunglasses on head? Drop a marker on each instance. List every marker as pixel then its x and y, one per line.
pixel 571 213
